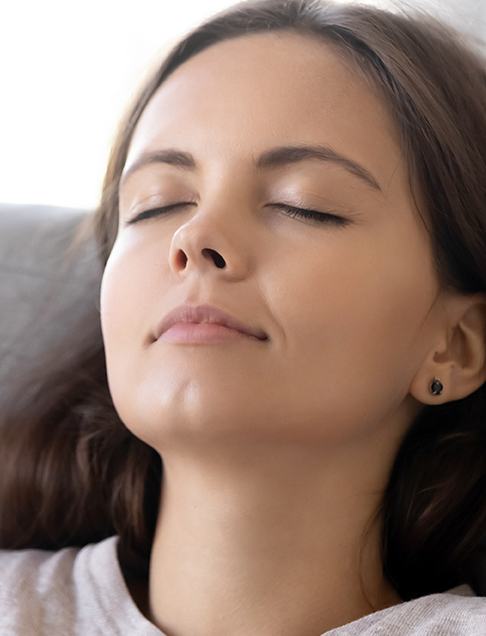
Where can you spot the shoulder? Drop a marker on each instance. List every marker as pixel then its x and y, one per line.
pixel 18 568
pixel 458 611
pixel 46 592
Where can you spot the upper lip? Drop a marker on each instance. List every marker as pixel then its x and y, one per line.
pixel 207 314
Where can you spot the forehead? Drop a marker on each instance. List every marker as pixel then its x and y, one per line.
pixel 240 96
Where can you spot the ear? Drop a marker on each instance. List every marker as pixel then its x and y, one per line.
pixel 458 355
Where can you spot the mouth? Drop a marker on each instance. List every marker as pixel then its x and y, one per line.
pixel 204 321
pixel 204 333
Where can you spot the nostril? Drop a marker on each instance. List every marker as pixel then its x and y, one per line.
pixel 218 259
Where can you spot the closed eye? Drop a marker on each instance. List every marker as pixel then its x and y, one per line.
pixel 292 211
pixel 315 215
pixel 146 214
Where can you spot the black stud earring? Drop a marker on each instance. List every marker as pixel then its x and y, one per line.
pixel 436 386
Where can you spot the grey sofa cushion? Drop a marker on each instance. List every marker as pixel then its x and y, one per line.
pixel 42 294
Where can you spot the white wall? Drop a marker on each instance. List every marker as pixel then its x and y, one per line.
pixel 469 15
pixel 67 70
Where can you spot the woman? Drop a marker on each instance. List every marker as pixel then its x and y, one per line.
pixel 316 466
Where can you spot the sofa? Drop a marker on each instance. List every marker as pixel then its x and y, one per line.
pixel 42 294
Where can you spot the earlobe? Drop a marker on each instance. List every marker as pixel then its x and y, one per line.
pixel 433 388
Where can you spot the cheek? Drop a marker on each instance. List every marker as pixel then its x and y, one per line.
pixel 128 298
pixel 369 289
pixel 127 314
pixel 352 317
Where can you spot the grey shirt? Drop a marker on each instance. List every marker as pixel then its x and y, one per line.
pixel 82 592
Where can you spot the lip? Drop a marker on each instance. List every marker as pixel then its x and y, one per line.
pixel 206 314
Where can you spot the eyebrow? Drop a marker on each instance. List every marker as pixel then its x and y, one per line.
pixel 272 158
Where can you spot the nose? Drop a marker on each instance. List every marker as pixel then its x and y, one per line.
pixel 203 245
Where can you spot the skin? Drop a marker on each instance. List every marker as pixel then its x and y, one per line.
pixel 275 453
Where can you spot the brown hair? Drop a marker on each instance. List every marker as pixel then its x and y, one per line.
pixel 72 473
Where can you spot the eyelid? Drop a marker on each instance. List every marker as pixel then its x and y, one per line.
pixel 157 199
pixel 152 211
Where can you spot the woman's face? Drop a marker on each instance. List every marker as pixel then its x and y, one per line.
pixel 345 304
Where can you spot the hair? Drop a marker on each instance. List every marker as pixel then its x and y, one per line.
pixel 73 474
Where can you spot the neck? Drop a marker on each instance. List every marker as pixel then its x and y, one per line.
pixel 267 542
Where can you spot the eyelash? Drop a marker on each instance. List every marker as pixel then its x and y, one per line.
pixel 319 217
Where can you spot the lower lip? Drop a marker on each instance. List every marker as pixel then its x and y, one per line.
pixel 202 333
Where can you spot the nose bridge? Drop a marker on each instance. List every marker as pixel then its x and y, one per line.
pixel 229 182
